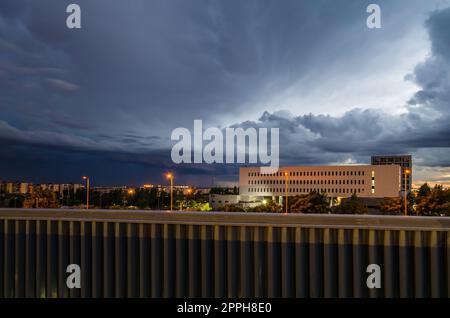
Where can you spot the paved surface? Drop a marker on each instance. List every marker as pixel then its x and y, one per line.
pixel 232 218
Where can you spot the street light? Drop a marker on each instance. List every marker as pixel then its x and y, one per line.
pixel 189 191
pixel 406 173
pixel 131 191
pixel 170 177
pixel 286 181
pixel 86 178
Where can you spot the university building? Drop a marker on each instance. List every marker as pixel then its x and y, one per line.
pixel 404 161
pixel 369 181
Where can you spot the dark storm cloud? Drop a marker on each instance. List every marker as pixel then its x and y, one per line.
pixel 108 95
pixel 130 63
pixel 361 132
pixel 433 76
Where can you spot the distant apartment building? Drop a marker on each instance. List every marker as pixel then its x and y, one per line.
pixel 60 188
pixel 16 187
pixel 65 188
pixel 9 187
pixel 176 188
pixel 371 181
pixel 105 190
pixel 24 188
pixel 404 161
pixel 12 187
pixel 55 187
pixel 77 186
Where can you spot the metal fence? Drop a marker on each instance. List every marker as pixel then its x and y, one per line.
pixel 215 254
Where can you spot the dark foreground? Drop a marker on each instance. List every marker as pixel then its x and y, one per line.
pixel 217 254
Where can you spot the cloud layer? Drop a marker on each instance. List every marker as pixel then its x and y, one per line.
pixel 103 100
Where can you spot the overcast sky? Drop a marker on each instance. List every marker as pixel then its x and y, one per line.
pixel 104 99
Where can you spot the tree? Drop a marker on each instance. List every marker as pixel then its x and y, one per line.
pixel 41 199
pixel 231 208
pixel 11 200
pixel 352 205
pixel 270 207
pixel 198 206
pixel 310 203
pixel 437 202
pixel 204 207
pixel 391 206
pixel 424 190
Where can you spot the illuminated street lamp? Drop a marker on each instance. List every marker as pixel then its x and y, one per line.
pixel 86 178
pixel 406 173
pixel 189 191
pixel 131 191
pixel 286 181
pixel 170 177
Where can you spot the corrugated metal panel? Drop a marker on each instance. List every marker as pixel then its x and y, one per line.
pixel 167 254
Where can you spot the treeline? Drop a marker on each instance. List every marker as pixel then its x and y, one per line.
pixel 425 202
pixel 138 198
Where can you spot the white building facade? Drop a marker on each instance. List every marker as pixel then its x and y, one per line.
pixel 218 200
pixel 371 181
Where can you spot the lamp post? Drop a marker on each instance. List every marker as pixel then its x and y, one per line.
pixel 406 173
pixel 131 193
pixel 188 196
pixel 170 177
pixel 286 184
pixel 86 178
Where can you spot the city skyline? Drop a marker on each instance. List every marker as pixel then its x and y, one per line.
pixel 102 100
pixel 414 184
